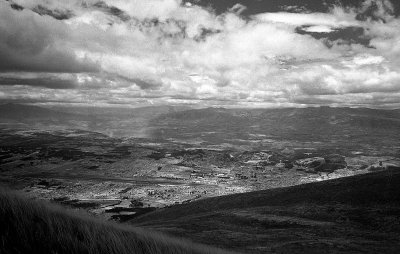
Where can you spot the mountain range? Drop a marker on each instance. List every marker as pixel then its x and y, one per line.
pixel 217 125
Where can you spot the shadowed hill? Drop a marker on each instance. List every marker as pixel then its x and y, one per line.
pixel 358 214
pixel 334 127
pixel 33 227
pixel 295 120
pixel 22 112
pixel 368 189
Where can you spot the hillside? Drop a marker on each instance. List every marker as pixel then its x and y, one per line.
pixel 334 130
pixel 315 122
pixel 22 112
pixel 112 121
pixel 217 125
pixel 358 214
pixel 33 227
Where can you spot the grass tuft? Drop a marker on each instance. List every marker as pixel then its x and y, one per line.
pixel 28 226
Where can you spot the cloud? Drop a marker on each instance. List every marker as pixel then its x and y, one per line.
pixel 238 8
pixel 378 10
pixel 56 13
pixel 144 84
pixel 363 77
pixel 367 60
pixel 337 19
pixel 168 51
pixel 319 29
pixel 29 42
pixel 53 83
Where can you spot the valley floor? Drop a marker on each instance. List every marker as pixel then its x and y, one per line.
pixel 229 197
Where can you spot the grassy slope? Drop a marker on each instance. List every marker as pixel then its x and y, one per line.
pixel 358 214
pixel 27 226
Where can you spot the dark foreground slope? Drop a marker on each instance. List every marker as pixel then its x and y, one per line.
pixel 32 227
pixel 358 214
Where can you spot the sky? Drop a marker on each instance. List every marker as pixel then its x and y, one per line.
pixel 225 53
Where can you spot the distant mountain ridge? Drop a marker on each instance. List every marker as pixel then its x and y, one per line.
pixel 258 113
pixel 341 130
pixel 187 113
pixel 120 122
pixel 164 122
pixel 16 111
pixel 288 118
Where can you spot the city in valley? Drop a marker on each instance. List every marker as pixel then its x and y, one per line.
pixel 179 160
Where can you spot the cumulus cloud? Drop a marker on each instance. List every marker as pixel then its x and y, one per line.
pixel 29 42
pixel 338 18
pixel 379 10
pixel 319 29
pixel 168 51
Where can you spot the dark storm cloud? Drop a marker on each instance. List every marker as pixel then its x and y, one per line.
pixel 16 7
pixel 112 10
pixel 205 32
pixel 374 10
pixel 346 35
pixel 145 84
pixel 29 43
pixel 163 28
pixel 56 13
pixel 261 6
pixel 53 83
pixel 51 60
